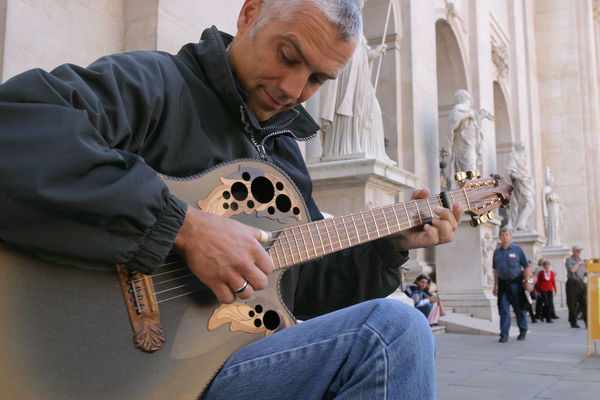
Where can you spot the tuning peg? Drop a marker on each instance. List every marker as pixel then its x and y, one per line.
pixel 491 215
pixel 460 177
pixel 483 219
pixel 475 221
pixel 470 174
pixel 477 174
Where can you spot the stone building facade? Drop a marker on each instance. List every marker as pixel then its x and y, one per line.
pixel 533 64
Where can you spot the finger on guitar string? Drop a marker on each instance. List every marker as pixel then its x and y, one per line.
pixel 223 252
pixel 264 237
pixel 444 225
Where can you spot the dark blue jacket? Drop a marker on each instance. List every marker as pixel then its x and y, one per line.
pixel 80 148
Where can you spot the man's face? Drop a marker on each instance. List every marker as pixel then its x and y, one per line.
pixel 285 62
pixel 577 253
pixel 505 238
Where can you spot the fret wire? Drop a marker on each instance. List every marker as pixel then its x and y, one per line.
pixel 430 210
pixel 396 216
pixel 319 234
pixel 419 212
pixel 337 233
pixel 362 216
pixel 290 244
pixel 386 221
pixel 453 199
pixel 312 242
pixel 328 235
pixel 376 224
pixel 355 228
pixel 407 216
pixel 347 232
pixel 276 252
pixel 466 198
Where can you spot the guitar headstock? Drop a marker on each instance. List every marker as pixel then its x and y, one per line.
pixel 483 195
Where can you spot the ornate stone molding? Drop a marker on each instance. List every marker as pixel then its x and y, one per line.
pixel 500 58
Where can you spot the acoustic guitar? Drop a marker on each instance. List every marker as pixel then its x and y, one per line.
pixel 67 332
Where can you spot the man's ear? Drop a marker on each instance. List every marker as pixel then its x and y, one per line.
pixel 248 15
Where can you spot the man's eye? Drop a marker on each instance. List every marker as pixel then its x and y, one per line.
pixel 316 80
pixel 287 59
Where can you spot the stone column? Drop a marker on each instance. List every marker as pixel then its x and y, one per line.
pixel 461 269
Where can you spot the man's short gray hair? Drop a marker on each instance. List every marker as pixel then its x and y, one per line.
pixel 345 15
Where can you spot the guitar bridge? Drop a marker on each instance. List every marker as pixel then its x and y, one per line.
pixel 140 299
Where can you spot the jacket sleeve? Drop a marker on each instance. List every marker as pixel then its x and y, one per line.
pixel 347 277
pixel 71 182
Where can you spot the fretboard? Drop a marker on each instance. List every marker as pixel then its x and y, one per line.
pixel 307 242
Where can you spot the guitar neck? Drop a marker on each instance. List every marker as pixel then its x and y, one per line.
pixel 307 242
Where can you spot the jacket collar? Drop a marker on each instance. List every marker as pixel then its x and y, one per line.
pixel 211 58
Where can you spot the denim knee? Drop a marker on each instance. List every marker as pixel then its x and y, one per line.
pixel 393 318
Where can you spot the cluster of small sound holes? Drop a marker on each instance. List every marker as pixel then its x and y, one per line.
pixel 262 191
pixel 270 319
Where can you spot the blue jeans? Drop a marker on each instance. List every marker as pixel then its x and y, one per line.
pixel 510 294
pixel 380 349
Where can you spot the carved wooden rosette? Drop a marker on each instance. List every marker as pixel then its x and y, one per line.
pixel 250 190
pixel 140 299
pixel 249 318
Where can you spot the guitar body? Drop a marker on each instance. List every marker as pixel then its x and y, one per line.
pixel 66 332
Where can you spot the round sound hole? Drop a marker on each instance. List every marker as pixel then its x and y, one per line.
pixel 262 189
pixel 283 203
pixel 239 191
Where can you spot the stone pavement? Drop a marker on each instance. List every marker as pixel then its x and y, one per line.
pixel 550 364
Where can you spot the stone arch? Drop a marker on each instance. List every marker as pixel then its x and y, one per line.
pixel 504 134
pixel 451 76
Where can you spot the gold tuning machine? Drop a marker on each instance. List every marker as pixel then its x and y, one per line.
pixel 475 221
pixel 473 174
pixel 491 215
pixel 460 177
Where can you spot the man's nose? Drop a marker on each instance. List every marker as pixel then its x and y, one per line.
pixel 293 86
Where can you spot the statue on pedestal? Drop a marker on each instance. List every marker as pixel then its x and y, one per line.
pixel 465 134
pixel 488 245
pixel 521 205
pixel 349 113
pixel 552 211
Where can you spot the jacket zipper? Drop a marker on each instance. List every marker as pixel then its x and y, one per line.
pixel 260 147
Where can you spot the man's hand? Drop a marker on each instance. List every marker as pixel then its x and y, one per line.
pixel 223 253
pixel 528 286
pixel 441 229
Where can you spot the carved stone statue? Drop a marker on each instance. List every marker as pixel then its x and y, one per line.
pixel 488 245
pixel 349 114
pixel 521 204
pixel 552 211
pixel 465 134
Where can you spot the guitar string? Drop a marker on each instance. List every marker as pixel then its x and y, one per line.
pixel 365 228
pixel 375 220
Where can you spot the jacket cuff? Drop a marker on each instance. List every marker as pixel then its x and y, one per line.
pixel 155 247
pixel 389 254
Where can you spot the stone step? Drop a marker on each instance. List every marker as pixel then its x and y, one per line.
pixel 459 323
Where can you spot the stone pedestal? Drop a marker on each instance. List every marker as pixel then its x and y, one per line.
pixel 343 186
pixel 557 257
pixel 463 269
